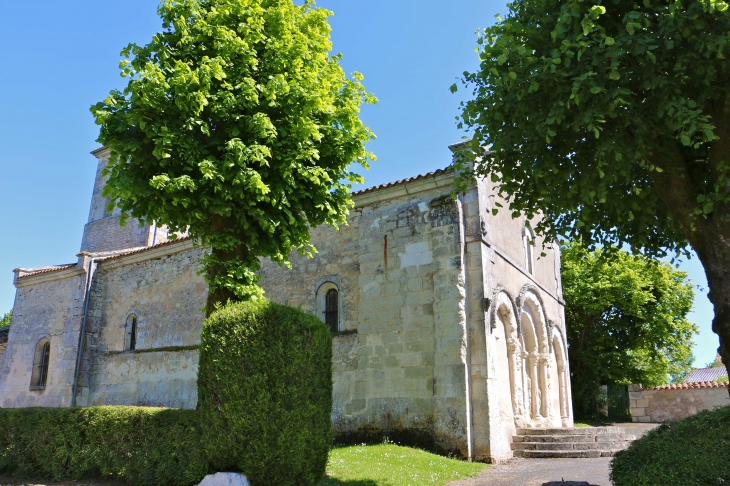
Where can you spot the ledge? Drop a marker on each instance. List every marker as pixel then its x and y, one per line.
pixel 167 349
pixel 347 332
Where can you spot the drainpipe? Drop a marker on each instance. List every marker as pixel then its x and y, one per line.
pixel 467 358
pixel 82 332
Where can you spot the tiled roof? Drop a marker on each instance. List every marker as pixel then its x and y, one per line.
pixel 685 386
pixel 706 374
pixel 55 268
pixel 4 334
pixel 142 250
pixel 395 183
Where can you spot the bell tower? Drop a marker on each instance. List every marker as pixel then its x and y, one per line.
pixel 102 233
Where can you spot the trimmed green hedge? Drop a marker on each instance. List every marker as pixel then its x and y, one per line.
pixel 265 399
pixel 142 446
pixel 690 452
pixel 265 393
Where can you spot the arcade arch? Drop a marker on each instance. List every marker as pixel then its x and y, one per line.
pixel 530 362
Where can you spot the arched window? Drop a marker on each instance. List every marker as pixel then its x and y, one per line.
pixel 40 365
pixel 130 335
pixel 528 238
pixel 332 310
pixel 328 305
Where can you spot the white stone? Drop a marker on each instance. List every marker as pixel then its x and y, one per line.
pixel 225 479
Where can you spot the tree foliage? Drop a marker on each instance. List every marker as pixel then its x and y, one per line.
pixel 626 320
pixel 5 320
pixel 239 127
pixel 611 119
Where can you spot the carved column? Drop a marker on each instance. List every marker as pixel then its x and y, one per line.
pixel 562 395
pixel 544 369
pixel 534 386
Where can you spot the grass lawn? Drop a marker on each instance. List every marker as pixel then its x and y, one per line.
pixel 393 465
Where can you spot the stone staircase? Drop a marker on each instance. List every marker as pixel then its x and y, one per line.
pixel 570 442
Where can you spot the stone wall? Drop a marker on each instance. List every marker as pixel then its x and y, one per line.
pixel 161 286
pixel 102 232
pixel 674 402
pixel 398 367
pixel 47 305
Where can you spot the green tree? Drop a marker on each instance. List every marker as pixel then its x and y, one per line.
pixel 626 321
pixel 238 126
pixel 5 320
pixel 611 119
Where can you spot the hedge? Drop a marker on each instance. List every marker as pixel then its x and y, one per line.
pixel 264 406
pixel 142 446
pixel 690 452
pixel 265 393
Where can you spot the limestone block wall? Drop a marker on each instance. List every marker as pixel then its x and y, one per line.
pixel 102 232
pixel 161 286
pixel 106 235
pixel 674 402
pixel 398 364
pixel 47 305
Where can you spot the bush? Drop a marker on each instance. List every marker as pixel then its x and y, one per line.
pixel 142 446
pixel 265 393
pixel 688 452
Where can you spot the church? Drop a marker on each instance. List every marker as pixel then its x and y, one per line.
pixel 448 329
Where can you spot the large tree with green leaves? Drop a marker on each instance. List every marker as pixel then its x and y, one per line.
pixel 5 320
pixel 610 118
pixel 239 127
pixel 626 321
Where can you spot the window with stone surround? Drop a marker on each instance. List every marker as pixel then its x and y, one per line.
pixel 130 334
pixel 39 376
pixel 528 239
pixel 328 305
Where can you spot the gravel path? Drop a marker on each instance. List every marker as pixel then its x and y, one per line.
pixel 536 472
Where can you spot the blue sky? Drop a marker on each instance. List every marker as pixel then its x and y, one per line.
pixel 58 58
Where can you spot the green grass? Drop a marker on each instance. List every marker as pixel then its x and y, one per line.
pixel 393 465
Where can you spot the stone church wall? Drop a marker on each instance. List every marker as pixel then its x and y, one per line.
pixel 397 360
pixel 161 286
pixel 47 305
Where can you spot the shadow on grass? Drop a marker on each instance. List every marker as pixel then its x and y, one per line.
pixel 354 482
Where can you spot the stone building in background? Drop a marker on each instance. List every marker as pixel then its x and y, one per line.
pixel 448 330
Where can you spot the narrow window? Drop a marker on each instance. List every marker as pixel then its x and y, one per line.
pixel 130 336
pixel 40 365
pixel 331 310
pixel 529 241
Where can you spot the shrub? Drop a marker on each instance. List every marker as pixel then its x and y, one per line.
pixel 688 452
pixel 265 393
pixel 142 446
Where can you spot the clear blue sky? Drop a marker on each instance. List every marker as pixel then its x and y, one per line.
pixel 58 58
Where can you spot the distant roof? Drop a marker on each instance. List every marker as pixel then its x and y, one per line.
pixel 4 334
pixel 685 386
pixel 706 374
pixel 402 181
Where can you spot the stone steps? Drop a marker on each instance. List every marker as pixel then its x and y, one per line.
pixel 570 442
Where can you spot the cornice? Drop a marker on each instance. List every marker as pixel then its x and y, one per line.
pixel 149 254
pixel 41 278
pixel 407 188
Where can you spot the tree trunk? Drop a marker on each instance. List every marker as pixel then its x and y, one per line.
pixel 709 236
pixel 218 296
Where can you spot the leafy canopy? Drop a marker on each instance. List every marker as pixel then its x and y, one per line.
pixel 5 320
pixel 626 320
pixel 580 104
pixel 237 126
